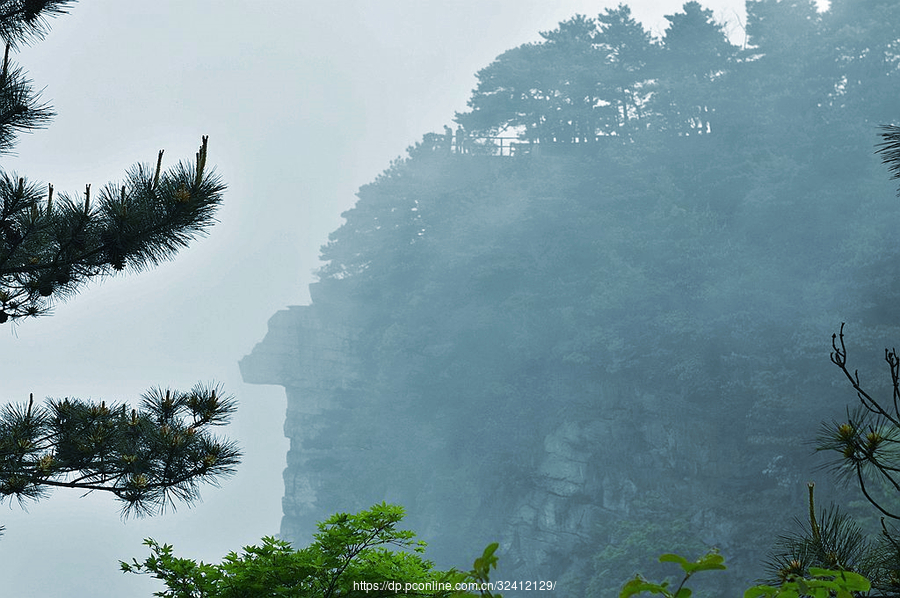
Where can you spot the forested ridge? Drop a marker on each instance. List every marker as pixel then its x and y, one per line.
pixel 655 289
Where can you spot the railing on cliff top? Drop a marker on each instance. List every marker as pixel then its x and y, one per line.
pixel 501 145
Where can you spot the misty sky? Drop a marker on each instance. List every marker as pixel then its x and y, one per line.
pixel 303 102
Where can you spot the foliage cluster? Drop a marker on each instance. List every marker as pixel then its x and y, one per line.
pixel 710 562
pixel 607 77
pixel 820 583
pixel 362 554
pixel 349 558
pixel 626 547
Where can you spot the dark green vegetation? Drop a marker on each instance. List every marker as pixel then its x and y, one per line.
pixel 363 554
pixel 819 583
pixel 49 248
pixel 621 332
pixel 366 555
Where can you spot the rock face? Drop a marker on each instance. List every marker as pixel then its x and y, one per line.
pixel 616 350
pixel 312 362
pixel 732 478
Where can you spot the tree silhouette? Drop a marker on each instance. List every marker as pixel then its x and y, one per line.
pixel 696 53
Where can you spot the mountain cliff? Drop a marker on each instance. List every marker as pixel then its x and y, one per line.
pixel 608 337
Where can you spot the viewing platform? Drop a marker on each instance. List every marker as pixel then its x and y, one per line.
pixel 509 145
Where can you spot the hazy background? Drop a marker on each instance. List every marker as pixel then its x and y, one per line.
pixel 303 102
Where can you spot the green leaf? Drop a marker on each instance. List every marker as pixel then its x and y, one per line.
pixel 845 579
pixel 708 562
pixel 673 558
pixel 712 561
pixel 639 585
pixel 761 590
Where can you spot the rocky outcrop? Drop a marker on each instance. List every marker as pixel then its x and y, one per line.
pixel 311 361
pixel 734 477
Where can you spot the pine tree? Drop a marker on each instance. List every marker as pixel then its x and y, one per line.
pixel 695 54
pixel 49 248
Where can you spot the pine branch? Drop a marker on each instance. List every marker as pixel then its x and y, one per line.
pixel 20 107
pixel 830 540
pixel 890 149
pixel 50 248
pixel 149 459
pixel 868 442
pixel 25 21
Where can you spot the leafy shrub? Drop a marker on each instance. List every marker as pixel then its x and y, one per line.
pixel 821 583
pixel 353 555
